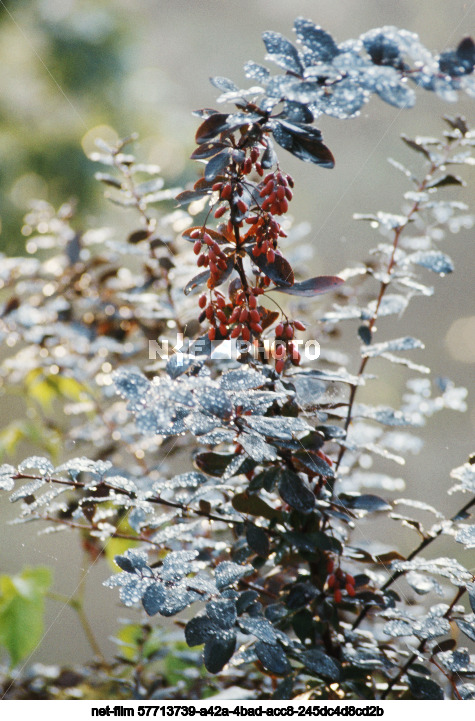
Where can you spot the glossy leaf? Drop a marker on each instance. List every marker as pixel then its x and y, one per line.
pixel 313 286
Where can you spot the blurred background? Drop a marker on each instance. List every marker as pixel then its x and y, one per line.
pixel 76 70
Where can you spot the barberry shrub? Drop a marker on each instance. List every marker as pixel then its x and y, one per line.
pixel 251 542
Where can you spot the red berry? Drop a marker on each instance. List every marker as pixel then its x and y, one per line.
pixel 226 191
pixel 259 170
pixel 289 332
pixel 252 301
pixel 245 333
pixel 223 329
pixel 331 580
pixel 255 316
pixel 270 255
pixel 279 330
pixel 338 596
pixel 236 331
pixel 202 301
pixel 330 565
pixel 242 206
pixel 244 315
pixel 350 589
pixel 350 579
pixel 220 212
pixel 212 333
pixel 197 247
pixel 256 327
pixel 210 312
pixel 279 366
pixel 217 186
pixel 298 325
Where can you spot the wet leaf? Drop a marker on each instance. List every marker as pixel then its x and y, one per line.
pixel 218 650
pixel 322 665
pixel 255 506
pixel 313 286
pixel 433 260
pixel 280 271
pixel 365 502
pixel 467 628
pixel 318 42
pixel 282 52
pixel 295 492
pixel 425 688
pixel 305 145
pixel 272 657
pixel 227 573
pixel 258 540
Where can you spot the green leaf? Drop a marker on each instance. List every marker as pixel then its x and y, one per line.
pixel 22 610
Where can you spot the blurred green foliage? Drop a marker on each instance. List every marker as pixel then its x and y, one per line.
pixel 68 69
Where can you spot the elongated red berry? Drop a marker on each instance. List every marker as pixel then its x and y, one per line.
pixel 252 301
pixel 212 333
pixel 298 325
pixel 220 211
pixel 350 589
pixel 226 191
pixel 331 580
pixel 338 596
pixel 279 366
pixel 202 301
pixel 197 247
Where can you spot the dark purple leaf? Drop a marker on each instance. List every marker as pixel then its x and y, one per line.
pixel 217 164
pixel 305 146
pixel 207 150
pixel 188 196
pixel 295 492
pixel 280 271
pixel 218 651
pixel 313 286
pixel 282 52
pixel 196 281
pixel 320 43
pixel 258 540
pixel 272 657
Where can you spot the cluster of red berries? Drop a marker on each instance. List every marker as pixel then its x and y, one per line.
pixel 266 231
pixel 239 319
pixel 232 191
pixel 276 193
pixel 209 255
pixel 284 347
pixel 339 581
